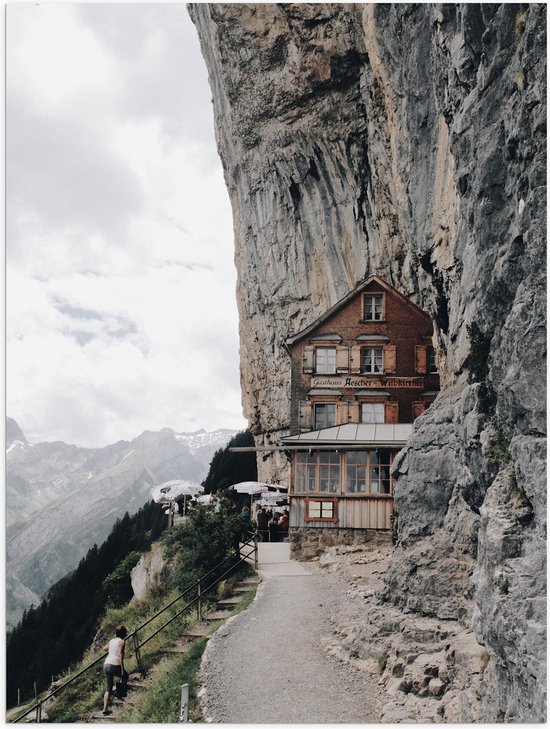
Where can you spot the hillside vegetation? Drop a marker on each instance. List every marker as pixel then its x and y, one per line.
pixel 84 606
pixel 228 468
pixel 62 499
pixel 53 635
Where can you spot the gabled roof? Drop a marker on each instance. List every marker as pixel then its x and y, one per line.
pixel 347 298
pixel 367 434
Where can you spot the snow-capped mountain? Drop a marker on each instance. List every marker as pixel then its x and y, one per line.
pixel 61 499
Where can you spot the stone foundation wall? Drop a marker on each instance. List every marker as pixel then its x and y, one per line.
pixel 310 542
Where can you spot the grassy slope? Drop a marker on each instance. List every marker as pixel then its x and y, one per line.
pixel 159 700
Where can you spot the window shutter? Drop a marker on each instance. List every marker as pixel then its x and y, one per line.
pixel 341 413
pixel 421 359
pixel 354 412
pixel 392 411
pixel 307 365
pixel 355 360
pixel 418 408
pixel 390 359
pixel 305 415
pixel 342 359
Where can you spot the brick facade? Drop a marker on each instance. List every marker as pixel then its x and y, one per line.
pixel 408 330
pixel 368 366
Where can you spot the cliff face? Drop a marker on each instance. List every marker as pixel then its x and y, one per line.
pixel 408 141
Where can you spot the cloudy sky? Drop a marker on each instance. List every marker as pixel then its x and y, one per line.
pixel 121 312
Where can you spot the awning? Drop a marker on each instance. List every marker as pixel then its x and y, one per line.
pixel 329 393
pixel 371 393
pixel 354 435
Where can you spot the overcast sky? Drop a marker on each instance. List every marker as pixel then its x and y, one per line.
pixel 121 312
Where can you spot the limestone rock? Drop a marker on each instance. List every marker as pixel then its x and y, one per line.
pixel 408 140
pixel 150 571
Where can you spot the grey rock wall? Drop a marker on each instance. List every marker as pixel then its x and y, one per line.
pixel 151 570
pixel 409 141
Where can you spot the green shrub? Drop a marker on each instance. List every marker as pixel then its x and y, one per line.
pixel 201 542
pixel 118 585
pixel 498 448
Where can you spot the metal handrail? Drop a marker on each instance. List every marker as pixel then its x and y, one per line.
pixel 38 705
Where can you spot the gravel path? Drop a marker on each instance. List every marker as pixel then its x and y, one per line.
pixel 267 665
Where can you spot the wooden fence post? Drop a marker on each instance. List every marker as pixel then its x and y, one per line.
pixel 184 703
pixel 199 601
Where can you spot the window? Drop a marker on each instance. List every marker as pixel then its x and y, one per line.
pixel 372 359
pixel 356 472
pixel 374 307
pixel 432 366
pixel 318 471
pixel 305 472
pixel 380 482
pixel 373 412
pixel 329 471
pixel 321 510
pixel 325 360
pixel 325 415
pixel 368 472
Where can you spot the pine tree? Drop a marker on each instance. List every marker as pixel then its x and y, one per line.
pixel 228 468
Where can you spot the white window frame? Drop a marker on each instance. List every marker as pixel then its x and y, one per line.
pixel 370 307
pixel 377 353
pixel 321 509
pixel 323 364
pixel 378 412
pixel 324 406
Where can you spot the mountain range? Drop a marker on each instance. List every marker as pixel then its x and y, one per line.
pixel 62 499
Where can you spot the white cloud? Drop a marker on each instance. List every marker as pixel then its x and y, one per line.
pixel 121 285
pixel 59 60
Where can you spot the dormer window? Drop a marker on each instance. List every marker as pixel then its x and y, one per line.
pixel 374 307
pixel 325 360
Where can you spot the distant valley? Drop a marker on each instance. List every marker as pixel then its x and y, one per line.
pixel 62 499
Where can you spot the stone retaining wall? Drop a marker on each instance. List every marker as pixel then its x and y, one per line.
pixel 309 542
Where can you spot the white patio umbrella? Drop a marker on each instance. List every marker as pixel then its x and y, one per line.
pixel 270 498
pixel 204 499
pixel 169 491
pixel 250 487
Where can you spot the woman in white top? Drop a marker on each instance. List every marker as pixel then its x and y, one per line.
pixel 114 664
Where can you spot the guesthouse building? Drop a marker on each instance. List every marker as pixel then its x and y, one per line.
pixel 361 374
